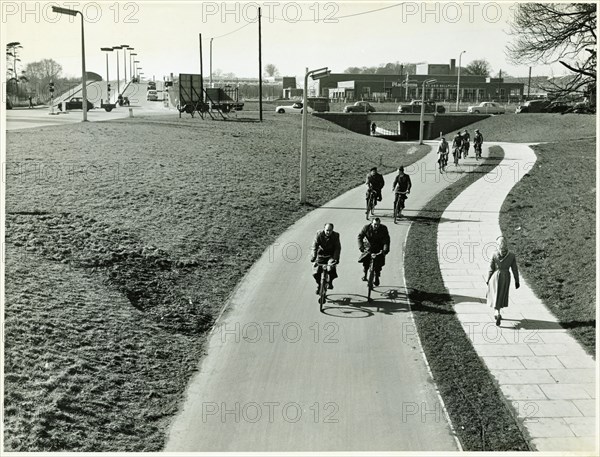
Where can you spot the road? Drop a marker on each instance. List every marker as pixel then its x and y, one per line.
pixel 281 376
pixel 23 118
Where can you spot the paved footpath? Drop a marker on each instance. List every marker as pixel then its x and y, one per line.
pixel 540 368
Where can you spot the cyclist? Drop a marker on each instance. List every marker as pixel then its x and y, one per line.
pixel 374 181
pixel 443 150
pixel 402 183
pixel 456 146
pixel 477 142
pixel 374 238
pixel 466 143
pixel 325 250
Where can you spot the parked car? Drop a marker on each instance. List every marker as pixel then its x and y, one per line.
pixel 486 108
pixel 297 107
pixel 152 95
pixel 533 106
pixel 415 107
pixel 359 107
pixel 76 103
pixel 557 107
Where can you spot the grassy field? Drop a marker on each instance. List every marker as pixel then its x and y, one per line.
pixel 124 240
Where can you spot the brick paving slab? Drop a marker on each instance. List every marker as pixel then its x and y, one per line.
pixel 540 368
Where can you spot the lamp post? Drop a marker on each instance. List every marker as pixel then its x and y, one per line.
pixel 135 69
pixel 315 74
pixel 125 47
pixel 210 64
pixel 131 59
pixel 70 12
pixel 107 50
pixel 116 48
pixel 458 81
pixel 422 119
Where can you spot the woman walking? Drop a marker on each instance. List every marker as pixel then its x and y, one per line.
pixel 499 277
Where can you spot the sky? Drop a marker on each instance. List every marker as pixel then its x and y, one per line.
pixel 295 35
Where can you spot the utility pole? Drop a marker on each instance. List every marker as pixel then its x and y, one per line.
pixel 529 83
pixel 260 67
pixel 201 74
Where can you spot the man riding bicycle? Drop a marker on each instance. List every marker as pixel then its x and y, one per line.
pixel 443 150
pixel 325 250
pixel 374 238
pixel 375 182
pixel 456 146
pixel 401 186
pixel 477 143
pixel 466 137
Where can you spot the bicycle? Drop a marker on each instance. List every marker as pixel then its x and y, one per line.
pixel 399 204
pixel 477 148
pixel 456 154
pixel 371 202
pixel 465 149
pixel 371 275
pixel 324 284
pixel 443 161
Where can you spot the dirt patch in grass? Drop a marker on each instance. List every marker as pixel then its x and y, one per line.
pixel 550 218
pixel 124 240
pixel 477 409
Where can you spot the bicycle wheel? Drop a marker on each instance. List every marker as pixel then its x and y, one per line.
pixel 368 207
pixel 323 290
pixel 396 209
pixel 370 281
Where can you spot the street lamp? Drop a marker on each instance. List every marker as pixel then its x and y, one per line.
pixel 107 50
pixel 210 61
pixel 422 120
pixel 458 81
pixel 315 74
pixel 125 47
pixel 116 48
pixel 135 68
pixel 131 58
pixel 70 12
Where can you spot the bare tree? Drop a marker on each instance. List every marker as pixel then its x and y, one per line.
pixel 557 32
pixel 479 67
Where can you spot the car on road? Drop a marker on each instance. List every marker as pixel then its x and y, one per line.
pixel 415 107
pixel 486 108
pixel 152 95
pixel 151 85
pixel 76 103
pixel 297 107
pixel 542 106
pixel 359 107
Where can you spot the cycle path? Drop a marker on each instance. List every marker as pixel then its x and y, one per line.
pixel 279 375
pixel 540 368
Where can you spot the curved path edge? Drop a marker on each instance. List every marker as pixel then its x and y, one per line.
pixel 540 368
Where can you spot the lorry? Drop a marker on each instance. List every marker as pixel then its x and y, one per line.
pixel 225 98
pixel 415 107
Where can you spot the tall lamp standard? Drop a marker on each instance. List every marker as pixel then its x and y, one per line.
pixel 422 120
pixel 458 81
pixel 125 47
pixel 107 50
pixel 135 69
pixel 315 74
pixel 70 12
pixel 131 59
pixel 116 48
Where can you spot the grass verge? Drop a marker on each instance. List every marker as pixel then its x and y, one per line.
pixel 124 239
pixel 482 419
pixel 555 232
